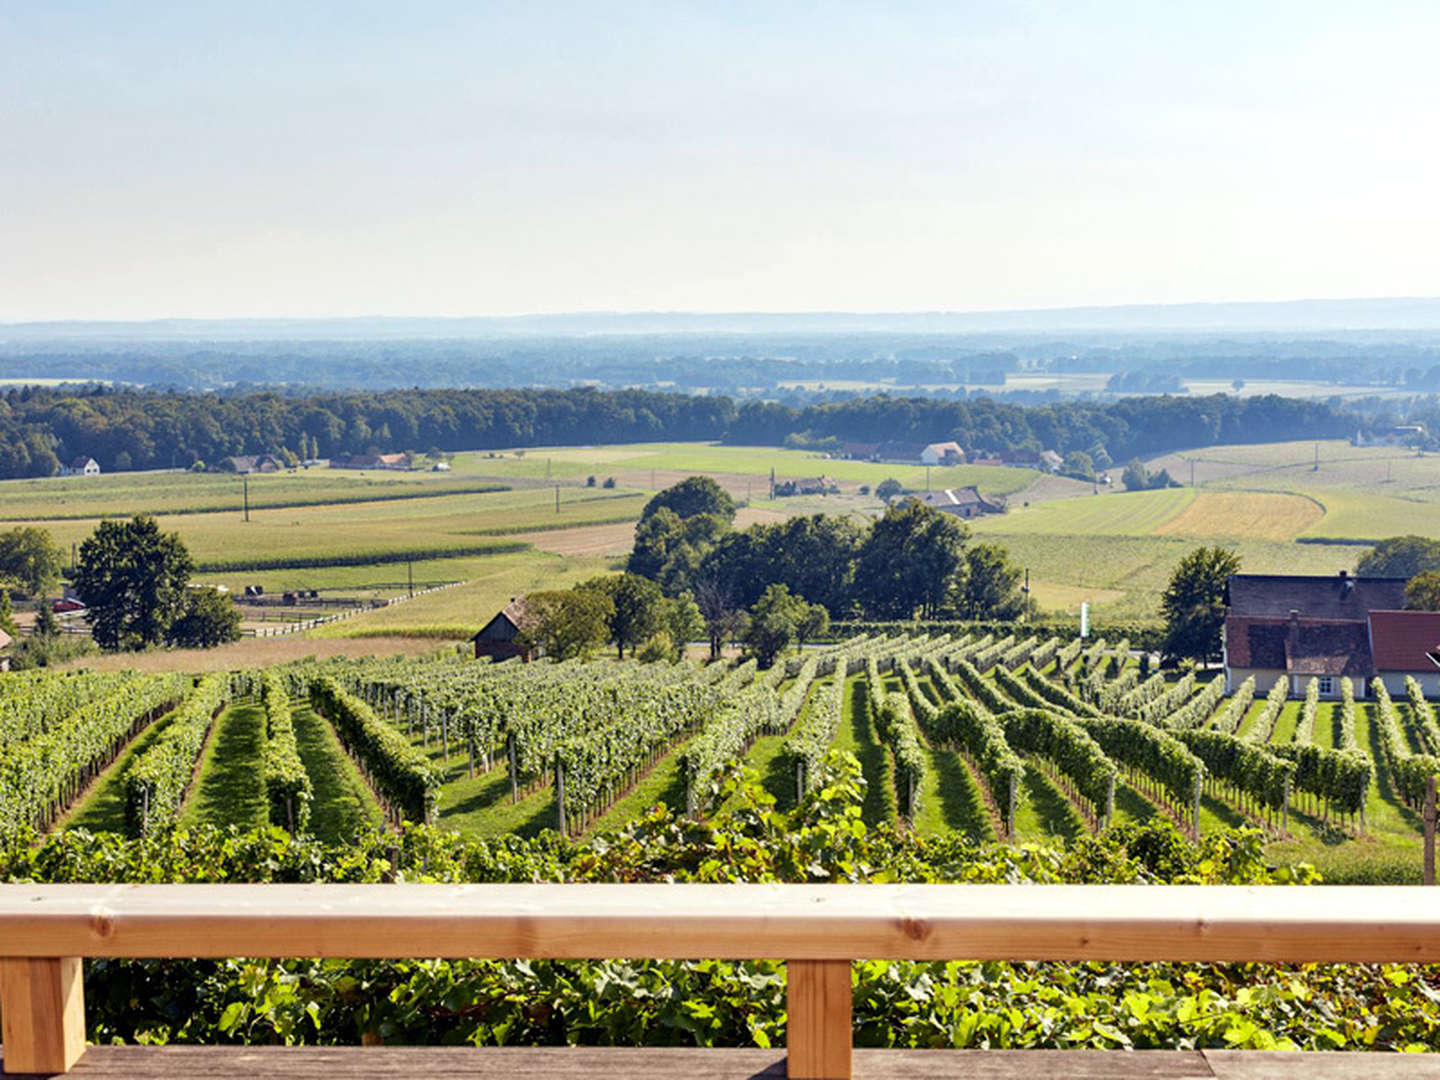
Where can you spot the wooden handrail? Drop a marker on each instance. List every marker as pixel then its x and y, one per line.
pixel 45 930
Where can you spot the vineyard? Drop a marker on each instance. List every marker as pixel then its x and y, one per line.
pixel 994 736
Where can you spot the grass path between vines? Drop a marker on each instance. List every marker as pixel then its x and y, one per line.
pixel 103 810
pixel 231 787
pixel 857 737
pixel 342 805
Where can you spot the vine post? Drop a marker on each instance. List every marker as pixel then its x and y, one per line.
pixel 1429 819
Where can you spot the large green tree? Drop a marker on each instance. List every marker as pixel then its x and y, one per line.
pixel 30 560
pixel 1194 603
pixel 778 621
pixel 132 577
pixel 691 497
pixel 990 585
pixel 1422 592
pixel 1400 556
pixel 911 560
pixel 568 623
pixel 208 618
pixel 638 608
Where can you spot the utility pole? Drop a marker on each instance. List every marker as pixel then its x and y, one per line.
pixel 927 479
pixel 410 576
pixel 1317 458
pixel 557 498
pixel 245 480
pixel 1192 472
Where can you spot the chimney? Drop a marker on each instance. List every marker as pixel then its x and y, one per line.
pixel 1292 638
pixel 1344 574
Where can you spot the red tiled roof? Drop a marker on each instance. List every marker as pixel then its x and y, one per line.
pixel 1404 640
pixel 1318 646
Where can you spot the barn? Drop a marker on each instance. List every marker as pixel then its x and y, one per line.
pixel 500 638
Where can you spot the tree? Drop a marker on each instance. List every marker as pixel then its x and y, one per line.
pixel 30 559
pixel 7 614
pixel 724 620
pixel 990 588
pixel 910 560
pixel 46 625
pixel 209 618
pixel 1079 464
pixel 638 611
pixel 812 624
pixel 683 622
pixel 888 488
pixel 1423 591
pixel 567 623
pixel 1400 556
pixel 775 623
pixel 132 577
pixel 1194 603
pixel 693 496
pixel 1135 478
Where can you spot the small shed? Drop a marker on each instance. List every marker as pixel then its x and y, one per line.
pixel 500 639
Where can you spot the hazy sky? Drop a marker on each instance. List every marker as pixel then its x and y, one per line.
pixel 257 158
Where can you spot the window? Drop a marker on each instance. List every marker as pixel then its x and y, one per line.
pixel 1327 685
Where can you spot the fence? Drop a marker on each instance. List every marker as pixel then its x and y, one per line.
pixel 819 930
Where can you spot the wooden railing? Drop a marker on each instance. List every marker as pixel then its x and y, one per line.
pixel 46 930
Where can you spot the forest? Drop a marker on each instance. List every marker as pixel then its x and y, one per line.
pixel 138 429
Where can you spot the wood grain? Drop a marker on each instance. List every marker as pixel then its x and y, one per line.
pixel 798 922
pixel 818 1031
pixel 42 1003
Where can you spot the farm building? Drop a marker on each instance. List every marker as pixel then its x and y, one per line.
pixel 1329 628
pixel 371 461
pixel 251 463
pixel 966 502
pixel 942 453
pixel 499 639
pixel 81 466
pixel 810 485
pixel 860 451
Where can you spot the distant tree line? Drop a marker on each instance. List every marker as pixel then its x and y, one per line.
pixel 41 428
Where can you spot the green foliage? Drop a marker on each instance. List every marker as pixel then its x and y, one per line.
pixel 1250 770
pixel 207 618
pixel 1070 749
pixel 1422 592
pixel 132 578
pixel 637 608
pixel 912 559
pixel 963 724
pixel 1193 604
pixel 989 587
pixel 1400 556
pixel 30 560
pixel 568 623
pixel 399 772
pixel 1410 772
pixel 778 620
pixel 1155 753
pixel 157 780
pixel 692 497
pixel 287 784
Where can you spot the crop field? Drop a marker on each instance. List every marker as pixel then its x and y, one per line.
pixel 1012 738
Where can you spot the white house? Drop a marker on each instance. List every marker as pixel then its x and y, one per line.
pixel 81 466
pixel 942 453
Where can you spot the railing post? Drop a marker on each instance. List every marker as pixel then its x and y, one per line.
pixel 818 1034
pixel 42 1000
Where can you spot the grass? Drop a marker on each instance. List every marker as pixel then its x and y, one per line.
pixel 664 784
pixel 857 737
pixel 1131 513
pixel 103 809
pixel 256 653
pixel 1250 515
pixel 342 806
pixel 949 799
pixel 231 788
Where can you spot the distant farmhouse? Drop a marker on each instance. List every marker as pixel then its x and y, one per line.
pixel 1399 435
pixel 81 466
pixel 1328 628
pixel 499 639
pixel 966 502
pixel 809 485
pixel 251 463
pixel 371 461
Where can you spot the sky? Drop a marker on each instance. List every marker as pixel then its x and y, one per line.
pixel 292 159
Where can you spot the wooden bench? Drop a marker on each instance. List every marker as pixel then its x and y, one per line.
pixel 47 930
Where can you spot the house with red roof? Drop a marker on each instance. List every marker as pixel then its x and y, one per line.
pixel 1328 628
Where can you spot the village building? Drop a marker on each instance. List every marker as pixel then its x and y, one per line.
pixel 243 464
pixel 500 638
pixel 966 502
pixel 860 451
pixel 1328 628
pixel 81 466
pixel 371 461
pixel 942 453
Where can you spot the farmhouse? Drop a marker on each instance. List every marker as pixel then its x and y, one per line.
pixel 942 453
pixel 81 466
pixel 371 461
pixel 500 639
pixel 966 502
pixel 251 463
pixel 860 451
pixel 809 485
pixel 1328 628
